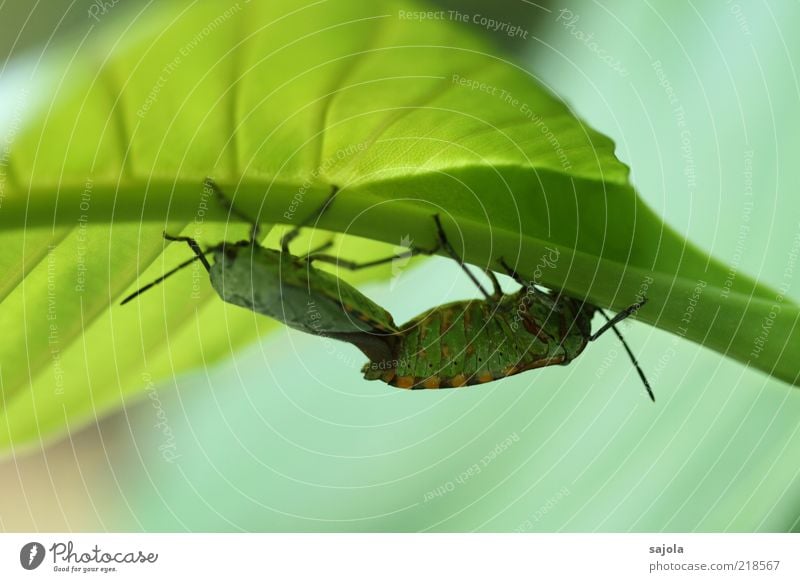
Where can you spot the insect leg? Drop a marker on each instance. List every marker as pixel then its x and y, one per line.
pixel 293 234
pixel 512 273
pixel 354 266
pixel 498 291
pixel 454 255
pixel 611 325
pixel 255 229
pixel 518 278
pixel 323 247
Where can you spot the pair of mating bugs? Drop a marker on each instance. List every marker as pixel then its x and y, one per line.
pixel 457 344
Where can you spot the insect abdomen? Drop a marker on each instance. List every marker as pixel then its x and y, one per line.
pixel 453 346
pixel 461 344
pixel 429 351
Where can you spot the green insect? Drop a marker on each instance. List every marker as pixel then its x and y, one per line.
pixel 289 288
pixel 478 341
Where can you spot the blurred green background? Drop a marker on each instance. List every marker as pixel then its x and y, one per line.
pixel 286 437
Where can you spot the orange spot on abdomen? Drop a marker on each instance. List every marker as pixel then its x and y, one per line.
pixel 458 380
pixel 404 381
pixel 432 382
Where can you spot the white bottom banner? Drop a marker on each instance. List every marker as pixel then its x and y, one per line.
pixel 401 557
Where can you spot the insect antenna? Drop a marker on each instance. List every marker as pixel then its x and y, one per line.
pixel 166 275
pixel 199 255
pixel 611 324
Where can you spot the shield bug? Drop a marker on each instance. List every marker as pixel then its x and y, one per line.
pixel 289 288
pixel 478 341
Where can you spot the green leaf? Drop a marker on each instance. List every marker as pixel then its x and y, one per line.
pixel 279 101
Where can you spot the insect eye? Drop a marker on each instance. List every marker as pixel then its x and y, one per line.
pixel 230 252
